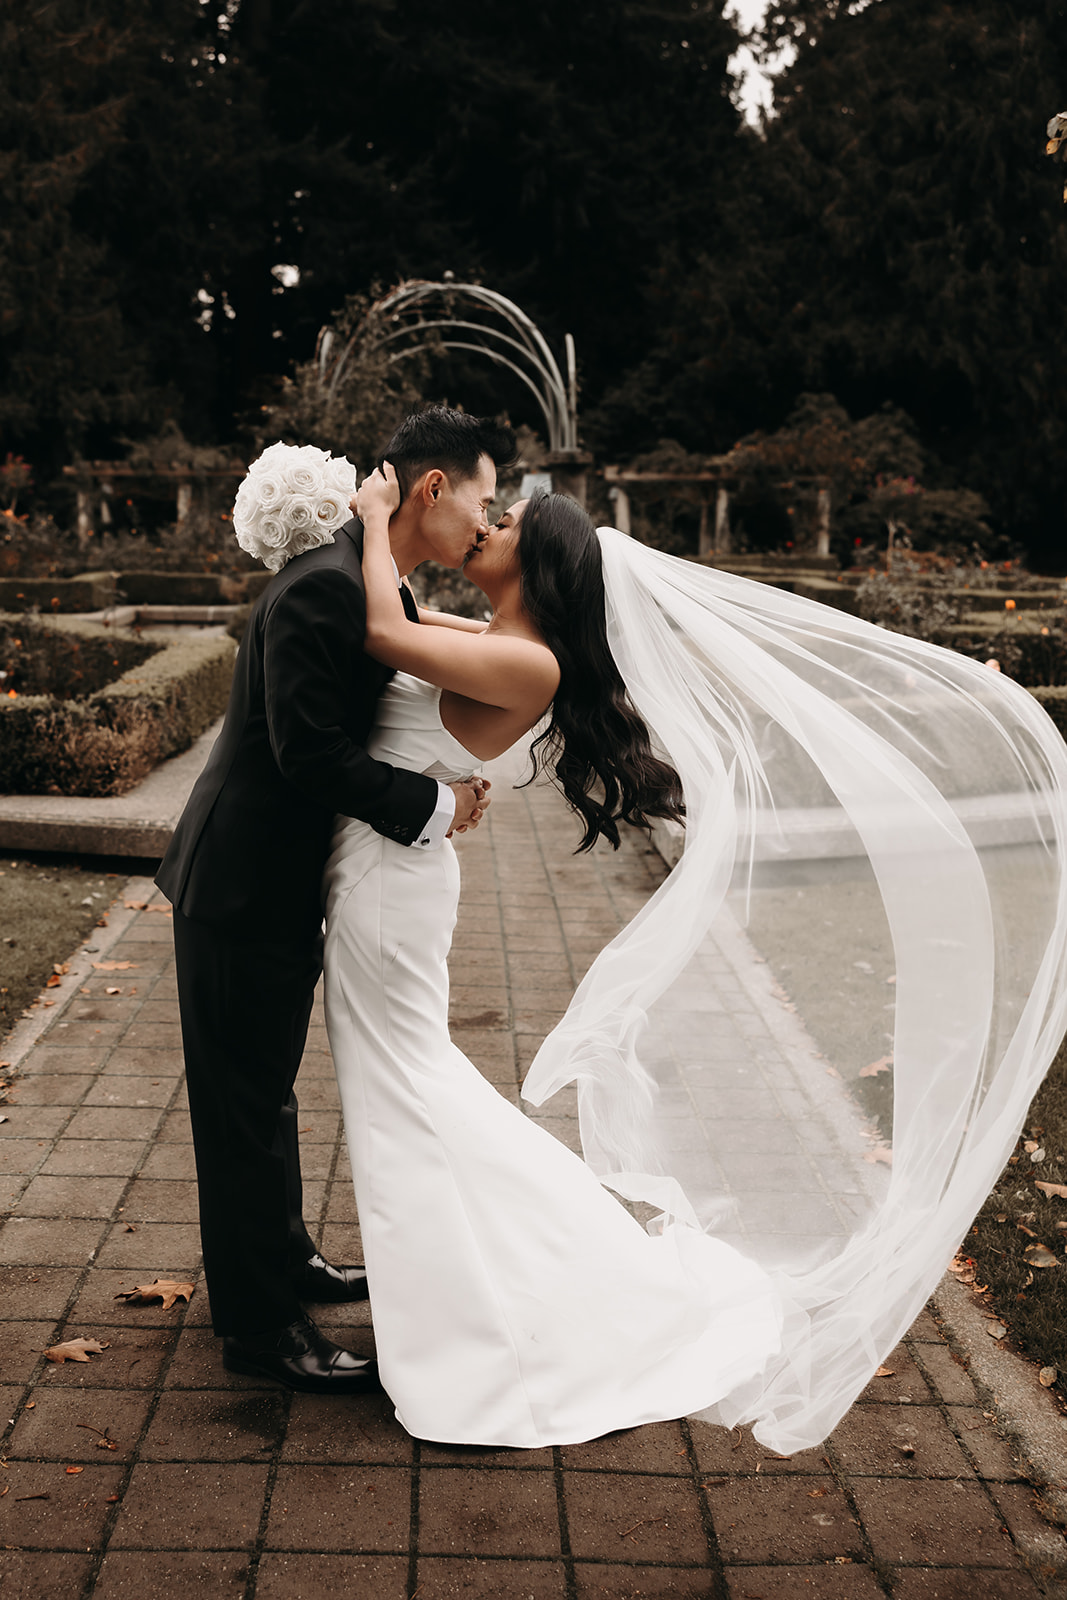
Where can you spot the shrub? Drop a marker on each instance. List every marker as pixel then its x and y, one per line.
pixel 1034 654
pixel 109 738
pixel 1054 701
pixel 919 612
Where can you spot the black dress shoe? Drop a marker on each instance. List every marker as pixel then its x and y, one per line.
pixel 301 1358
pixel 325 1284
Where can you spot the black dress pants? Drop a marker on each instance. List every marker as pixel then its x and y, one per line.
pixel 245 1007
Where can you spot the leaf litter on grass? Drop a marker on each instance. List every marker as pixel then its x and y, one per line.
pixel 1017 1239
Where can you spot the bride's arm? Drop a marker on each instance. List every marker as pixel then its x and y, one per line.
pixel 514 674
pixel 448 619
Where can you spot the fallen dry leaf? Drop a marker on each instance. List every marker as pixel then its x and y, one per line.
pixel 112 990
pixel 881 1152
pixel 1047 1377
pixel 115 966
pixel 882 1065
pixel 1030 1145
pixel 166 1289
pixel 963 1268
pixel 104 1440
pixel 74 1350
pixel 996 1330
pixel 73 1471
pixel 1039 1255
pixel 1051 1190
pixel 886 1372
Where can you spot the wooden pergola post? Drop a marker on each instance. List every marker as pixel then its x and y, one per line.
pixel 822 522
pixel 621 503
pixel 723 541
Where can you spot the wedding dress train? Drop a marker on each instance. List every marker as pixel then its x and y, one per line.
pixel 515 1301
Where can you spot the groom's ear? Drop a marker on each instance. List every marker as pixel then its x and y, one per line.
pixel 428 488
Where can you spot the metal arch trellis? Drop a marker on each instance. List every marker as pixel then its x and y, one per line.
pixel 519 345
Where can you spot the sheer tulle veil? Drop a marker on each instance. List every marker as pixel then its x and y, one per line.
pixel 820 1037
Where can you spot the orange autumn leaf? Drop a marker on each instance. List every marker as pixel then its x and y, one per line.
pixel 75 1350
pixel 1039 1255
pixel 115 966
pixel 881 1152
pixel 166 1289
pixel 883 1064
pixel 1059 1190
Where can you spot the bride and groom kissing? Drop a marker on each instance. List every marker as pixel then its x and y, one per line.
pixel 344 765
pixel 515 1301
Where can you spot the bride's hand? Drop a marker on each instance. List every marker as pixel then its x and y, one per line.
pixel 379 492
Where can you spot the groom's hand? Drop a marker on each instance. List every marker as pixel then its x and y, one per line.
pixel 471 802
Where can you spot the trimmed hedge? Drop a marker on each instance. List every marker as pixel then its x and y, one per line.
pixel 108 741
pixel 95 591
pixel 1055 703
pixel 89 591
pixel 191 588
pixel 1031 657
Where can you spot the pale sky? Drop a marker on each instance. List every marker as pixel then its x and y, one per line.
pixel 754 93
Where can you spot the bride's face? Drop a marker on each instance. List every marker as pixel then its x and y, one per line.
pixel 498 553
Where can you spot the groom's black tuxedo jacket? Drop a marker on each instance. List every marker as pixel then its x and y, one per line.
pixel 249 850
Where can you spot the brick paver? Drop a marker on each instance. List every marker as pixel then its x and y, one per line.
pixel 188 1481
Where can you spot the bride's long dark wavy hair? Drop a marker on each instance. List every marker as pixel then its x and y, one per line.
pixel 600 746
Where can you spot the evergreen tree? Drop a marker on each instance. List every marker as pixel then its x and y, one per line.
pixel 899 237
pixel 65 363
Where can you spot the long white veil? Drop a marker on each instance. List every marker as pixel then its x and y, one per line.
pixel 820 1037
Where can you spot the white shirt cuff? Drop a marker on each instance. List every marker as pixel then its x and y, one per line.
pixel 434 832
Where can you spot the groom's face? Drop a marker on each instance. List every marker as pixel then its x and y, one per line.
pixel 456 518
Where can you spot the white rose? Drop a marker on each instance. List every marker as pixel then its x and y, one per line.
pixel 306 478
pixel 331 510
pixel 269 492
pixel 272 532
pixel 340 472
pixel 272 459
pixel 299 512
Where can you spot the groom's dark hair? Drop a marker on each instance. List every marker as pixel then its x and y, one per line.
pixel 451 441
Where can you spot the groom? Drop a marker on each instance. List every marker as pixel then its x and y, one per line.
pixel 243 872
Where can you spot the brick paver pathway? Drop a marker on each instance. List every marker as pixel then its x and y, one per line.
pixel 151 1472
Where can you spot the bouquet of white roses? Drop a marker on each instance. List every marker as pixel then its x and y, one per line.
pixel 294 498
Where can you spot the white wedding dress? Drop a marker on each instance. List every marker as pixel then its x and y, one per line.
pixel 515 1301
pixel 915 803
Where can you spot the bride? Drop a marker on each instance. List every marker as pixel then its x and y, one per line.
pixel 516 1302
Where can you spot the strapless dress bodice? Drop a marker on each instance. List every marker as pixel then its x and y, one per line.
pixel 408 732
